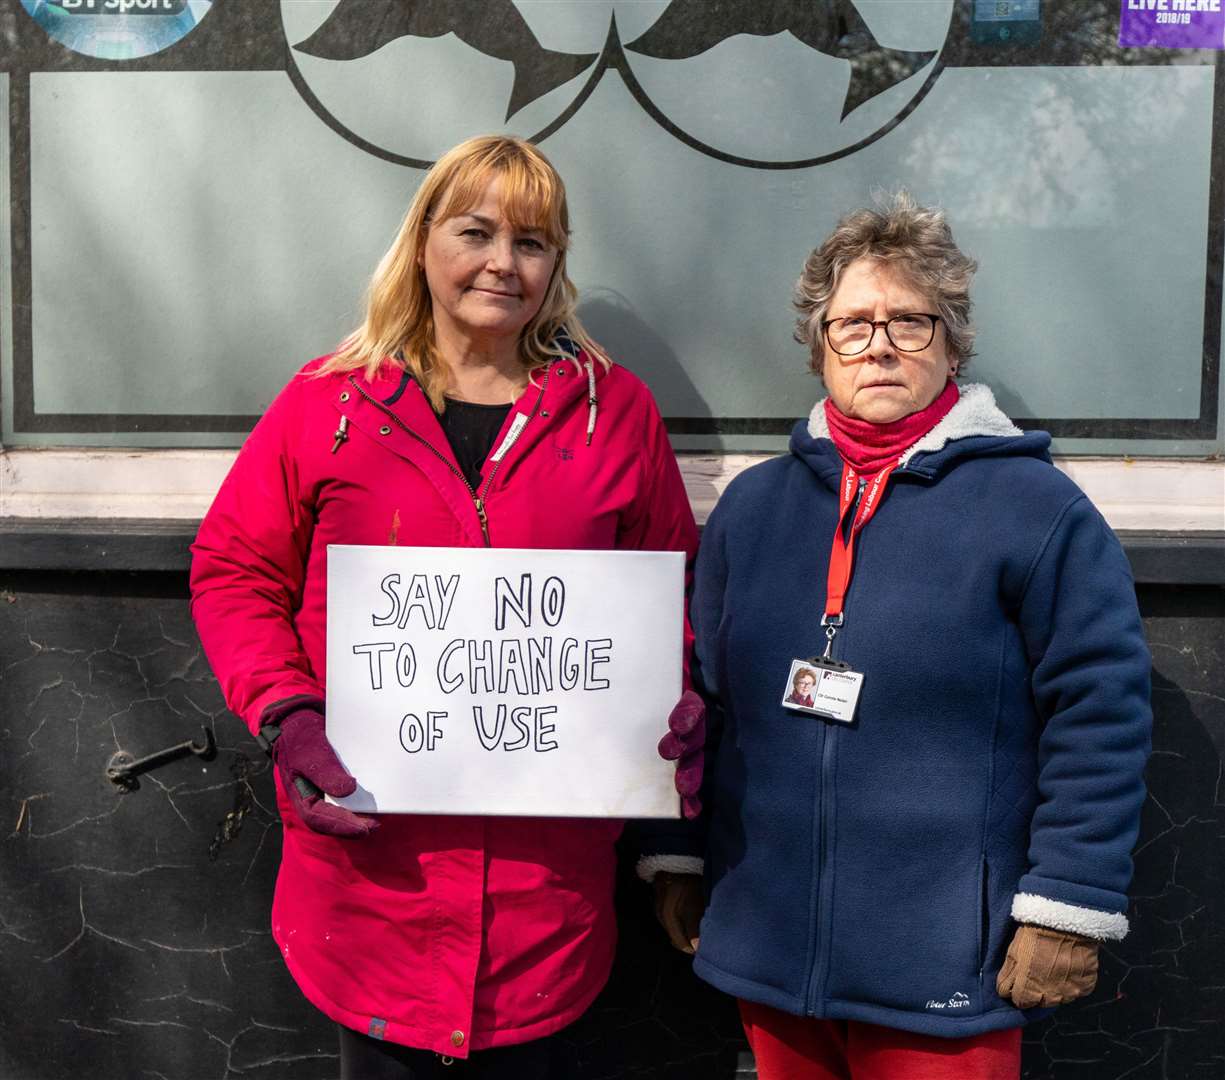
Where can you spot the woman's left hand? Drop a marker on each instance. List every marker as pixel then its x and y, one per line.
pixel 1047 967
pixel 685 744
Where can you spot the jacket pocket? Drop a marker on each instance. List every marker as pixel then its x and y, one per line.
pixel 984 918
pixel 999 884
pixel 907 931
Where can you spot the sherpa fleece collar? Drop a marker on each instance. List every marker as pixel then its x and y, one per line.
pixel 975 413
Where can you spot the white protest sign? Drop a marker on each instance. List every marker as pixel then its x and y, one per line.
pixel 500 681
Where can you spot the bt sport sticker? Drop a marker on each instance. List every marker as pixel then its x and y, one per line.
pixel 117 29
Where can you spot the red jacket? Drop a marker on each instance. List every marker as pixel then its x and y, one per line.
pixel 447 933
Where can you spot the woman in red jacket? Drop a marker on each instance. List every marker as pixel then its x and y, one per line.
pixel 469 409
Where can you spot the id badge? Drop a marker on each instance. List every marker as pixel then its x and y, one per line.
pixel 825 688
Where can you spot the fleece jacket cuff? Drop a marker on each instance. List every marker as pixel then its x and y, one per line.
pixel 650 865
pixel 1070 918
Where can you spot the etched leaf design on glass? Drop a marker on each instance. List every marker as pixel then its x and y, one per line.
pixel 496 28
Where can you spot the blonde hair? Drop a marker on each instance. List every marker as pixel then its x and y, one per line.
pixel 914 239
pixel 399 321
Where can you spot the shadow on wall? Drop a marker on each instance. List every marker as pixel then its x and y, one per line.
pixel 1006 396
pixel 633 343
pixel 636 345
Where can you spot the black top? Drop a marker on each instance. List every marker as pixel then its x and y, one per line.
pixel 471 430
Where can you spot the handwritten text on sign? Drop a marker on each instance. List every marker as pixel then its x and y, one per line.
pixel 468 681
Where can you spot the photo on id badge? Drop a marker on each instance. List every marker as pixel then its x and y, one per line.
pixel 801 683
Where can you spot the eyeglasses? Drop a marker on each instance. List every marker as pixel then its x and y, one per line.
pixel 909 333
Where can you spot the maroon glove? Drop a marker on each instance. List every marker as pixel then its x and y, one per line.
pixel 685 744
pixel 308 768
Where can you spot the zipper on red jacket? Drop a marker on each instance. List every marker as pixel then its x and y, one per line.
pixel 478 500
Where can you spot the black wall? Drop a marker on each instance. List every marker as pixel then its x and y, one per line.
pixel 134 934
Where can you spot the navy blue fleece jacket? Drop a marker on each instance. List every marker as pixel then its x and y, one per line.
pixel 994 772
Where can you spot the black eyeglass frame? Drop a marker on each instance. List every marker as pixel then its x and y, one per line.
pixel 827 323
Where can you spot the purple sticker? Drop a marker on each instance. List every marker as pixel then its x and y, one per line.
pixel 1172 24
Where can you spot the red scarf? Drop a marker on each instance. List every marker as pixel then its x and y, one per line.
pixel 868 447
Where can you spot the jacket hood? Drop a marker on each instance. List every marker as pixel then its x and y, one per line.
pixel 393 378
pixel 974 427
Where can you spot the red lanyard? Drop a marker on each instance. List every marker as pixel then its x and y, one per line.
pixel 842 556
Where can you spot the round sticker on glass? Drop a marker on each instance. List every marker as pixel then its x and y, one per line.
pixel 118 29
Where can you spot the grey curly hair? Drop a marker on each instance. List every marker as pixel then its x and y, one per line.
pixel 918 242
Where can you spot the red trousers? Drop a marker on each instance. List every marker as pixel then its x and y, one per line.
pixel 799 1048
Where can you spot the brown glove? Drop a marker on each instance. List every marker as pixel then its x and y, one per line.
pixel 1047 967
pixel 679 904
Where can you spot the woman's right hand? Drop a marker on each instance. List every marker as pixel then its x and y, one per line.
pixel 685 744
pixel 309 769
pixel 679 905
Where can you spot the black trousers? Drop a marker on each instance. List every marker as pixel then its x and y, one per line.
pixel 364 1058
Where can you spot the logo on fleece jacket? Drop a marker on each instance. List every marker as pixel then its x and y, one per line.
pixel 957 1001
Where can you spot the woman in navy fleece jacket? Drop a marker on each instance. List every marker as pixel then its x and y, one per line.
pixel 895 896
